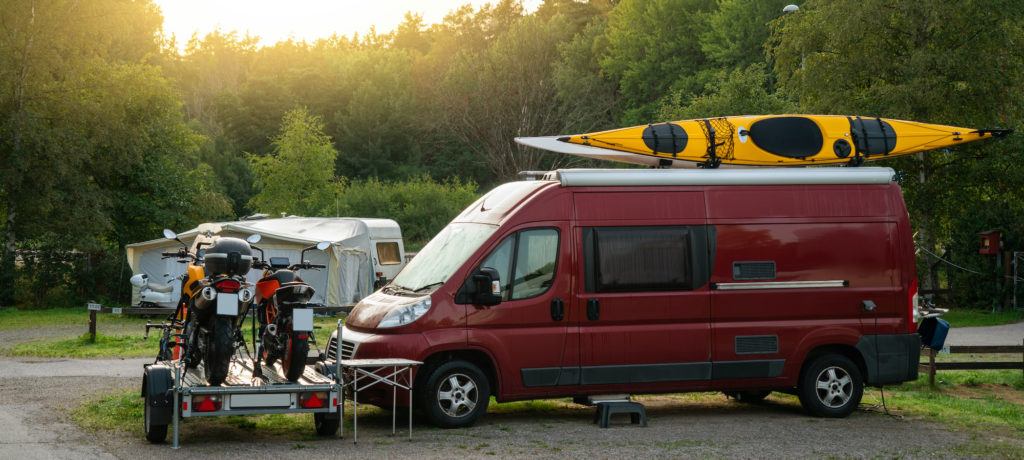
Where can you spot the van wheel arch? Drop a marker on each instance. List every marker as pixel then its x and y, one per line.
pixel 479 358
pixel 848 351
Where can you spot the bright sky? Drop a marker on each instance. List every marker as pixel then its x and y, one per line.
pixel 276 20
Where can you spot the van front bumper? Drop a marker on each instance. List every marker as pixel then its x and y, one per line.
pixel 890 358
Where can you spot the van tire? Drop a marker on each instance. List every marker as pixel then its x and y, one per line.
pixel 748 397
pixel 831 386
pixel 461 381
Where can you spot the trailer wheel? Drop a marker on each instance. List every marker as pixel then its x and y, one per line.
pixel 456 394
pixel 294 360
pixel 831 386
pixel 325 425
pixel 219 351
pixel 154 433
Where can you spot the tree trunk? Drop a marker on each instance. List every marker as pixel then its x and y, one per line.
pixel 7 261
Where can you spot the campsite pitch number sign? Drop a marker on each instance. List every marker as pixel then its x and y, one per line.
pixel 94 306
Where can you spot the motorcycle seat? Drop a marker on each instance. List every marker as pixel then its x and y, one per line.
pixel 158 287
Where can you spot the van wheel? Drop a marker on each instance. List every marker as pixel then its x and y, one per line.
pixel 831 386
pixel 749 397
pixel 455 394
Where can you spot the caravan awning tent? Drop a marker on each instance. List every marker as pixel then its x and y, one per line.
pixel 349 274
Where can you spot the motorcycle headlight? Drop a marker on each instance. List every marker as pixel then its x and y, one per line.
pixel 406 314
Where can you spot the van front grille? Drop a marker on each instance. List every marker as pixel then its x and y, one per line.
pixel 348 349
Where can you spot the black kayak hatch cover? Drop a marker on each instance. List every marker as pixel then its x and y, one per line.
pixel 790 137
pixel 665 138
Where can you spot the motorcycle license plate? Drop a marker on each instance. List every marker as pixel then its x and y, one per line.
pixel 227 304
pixel 302 319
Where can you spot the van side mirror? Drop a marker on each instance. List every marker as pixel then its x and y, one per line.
pixel 486 287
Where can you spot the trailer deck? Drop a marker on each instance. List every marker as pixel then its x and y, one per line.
pixel 247 391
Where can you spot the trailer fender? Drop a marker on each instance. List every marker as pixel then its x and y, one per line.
pixel 158 392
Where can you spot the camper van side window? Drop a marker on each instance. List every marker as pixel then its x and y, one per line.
pixel 388 253
pixel 636 259
pixel 531 256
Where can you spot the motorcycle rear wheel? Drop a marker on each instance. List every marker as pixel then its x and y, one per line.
pixel 219 351
pixel 294 360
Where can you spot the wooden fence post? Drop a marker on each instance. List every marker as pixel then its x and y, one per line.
pixel 931 367
pixel 92 326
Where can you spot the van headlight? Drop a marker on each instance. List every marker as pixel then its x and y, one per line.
pixel 406 314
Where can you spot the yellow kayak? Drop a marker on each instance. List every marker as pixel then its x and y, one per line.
pixel 765 140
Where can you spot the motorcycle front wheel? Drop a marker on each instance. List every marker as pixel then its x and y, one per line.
pixel 219 350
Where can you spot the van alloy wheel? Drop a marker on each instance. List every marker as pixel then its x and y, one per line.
pixel 457 396
pixel 834 387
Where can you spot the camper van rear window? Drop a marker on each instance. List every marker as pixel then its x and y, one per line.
pixel 388 253
pixel 636 259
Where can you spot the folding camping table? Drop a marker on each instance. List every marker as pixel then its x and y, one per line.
pixel 393 372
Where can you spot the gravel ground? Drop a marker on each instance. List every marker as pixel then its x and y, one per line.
pixel 33 416
pixel 1007 334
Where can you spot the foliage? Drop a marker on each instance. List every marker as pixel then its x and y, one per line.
pixel 421 206
pixel 109 133
pixel 298 178
pixel 951 63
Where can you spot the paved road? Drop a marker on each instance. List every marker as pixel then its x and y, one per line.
pixel 1007 334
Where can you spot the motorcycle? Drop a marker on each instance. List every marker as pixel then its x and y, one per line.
pixel 284 311
pixel 152 294
pixel 215 300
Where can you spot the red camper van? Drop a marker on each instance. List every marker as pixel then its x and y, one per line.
pixel 593 282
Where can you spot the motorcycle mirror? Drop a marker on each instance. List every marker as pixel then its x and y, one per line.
pixel 323 245
pixel 254 238
pixel 169 234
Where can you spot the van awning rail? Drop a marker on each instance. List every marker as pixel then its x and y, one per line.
pixel 764 176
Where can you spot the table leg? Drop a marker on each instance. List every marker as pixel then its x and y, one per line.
pixel 394 400
pixel 355 407
pixel 409 376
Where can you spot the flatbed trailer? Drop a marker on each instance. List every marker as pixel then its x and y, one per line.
pixel 173 393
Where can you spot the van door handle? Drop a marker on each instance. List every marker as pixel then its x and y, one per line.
pixel 557 309
pixel 593 309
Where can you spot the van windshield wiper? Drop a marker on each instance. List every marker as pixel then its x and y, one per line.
pixel 429 286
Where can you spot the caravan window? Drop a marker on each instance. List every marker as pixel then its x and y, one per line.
pixel 388 253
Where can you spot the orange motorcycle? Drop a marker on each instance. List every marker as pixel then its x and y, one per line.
pixel 284 311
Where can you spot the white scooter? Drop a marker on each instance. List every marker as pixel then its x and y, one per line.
pixel 153 294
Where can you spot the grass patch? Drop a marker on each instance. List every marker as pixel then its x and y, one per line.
pixel 119 346
pixel 981 401
pixel 121 413
pixel 25 319
pixel 959 317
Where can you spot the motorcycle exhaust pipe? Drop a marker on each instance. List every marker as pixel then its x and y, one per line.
pixel 272 329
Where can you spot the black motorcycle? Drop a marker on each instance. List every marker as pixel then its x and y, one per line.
pixel 218 306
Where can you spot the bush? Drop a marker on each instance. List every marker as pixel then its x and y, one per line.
pixel 422 206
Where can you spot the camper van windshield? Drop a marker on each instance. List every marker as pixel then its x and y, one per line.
pixel 443 255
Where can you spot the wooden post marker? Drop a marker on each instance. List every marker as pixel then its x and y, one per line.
pixel 93 308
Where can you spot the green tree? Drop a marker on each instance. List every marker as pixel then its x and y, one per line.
pixel 954 63
pixel 298 178
pixel 653 50
pixel 739 92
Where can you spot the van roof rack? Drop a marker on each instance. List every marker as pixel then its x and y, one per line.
pixel 761 176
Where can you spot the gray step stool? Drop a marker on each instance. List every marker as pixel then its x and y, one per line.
pixel 607 406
